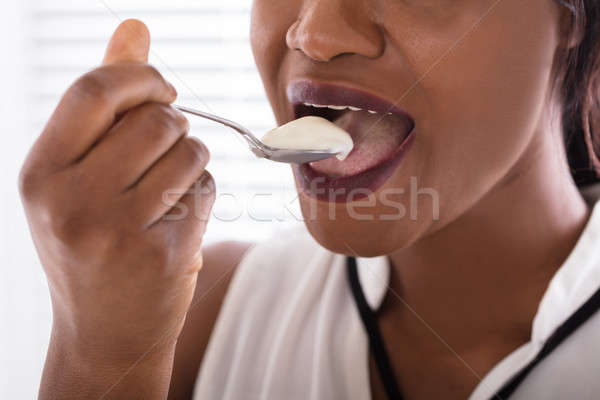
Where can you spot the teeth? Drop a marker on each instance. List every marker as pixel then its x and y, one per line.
pixel 337 108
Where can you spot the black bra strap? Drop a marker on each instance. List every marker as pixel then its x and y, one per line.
pixel 375 340
pixel 384 367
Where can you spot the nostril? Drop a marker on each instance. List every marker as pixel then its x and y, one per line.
pixel 308 41
pixel 291 37
pixel 325 31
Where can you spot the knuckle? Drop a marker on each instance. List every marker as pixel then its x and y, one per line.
pixel 182 120
pixel 164 119
pixel 67 208
pixel 27 183
pixel 208 184
pixel 92 86
pixel 196 151
pixel 155 76
pixel 157 248
pixel 77 230
pixel 190 259
pixel 65 213
pixel 206 190
pixel 153 73
pixel 66 227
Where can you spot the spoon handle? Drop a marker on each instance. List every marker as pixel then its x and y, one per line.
pixel 250 138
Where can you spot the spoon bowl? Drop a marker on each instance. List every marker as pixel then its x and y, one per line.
pixel 290 156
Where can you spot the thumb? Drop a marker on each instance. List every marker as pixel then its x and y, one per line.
pixel 130 42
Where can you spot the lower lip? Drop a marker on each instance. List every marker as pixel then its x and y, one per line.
pixel 350 188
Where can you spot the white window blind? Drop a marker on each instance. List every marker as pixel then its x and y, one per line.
pixel 203 48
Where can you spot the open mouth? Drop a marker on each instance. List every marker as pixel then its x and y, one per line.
pixel 381 132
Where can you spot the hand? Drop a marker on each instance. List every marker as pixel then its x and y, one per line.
pixel 121 275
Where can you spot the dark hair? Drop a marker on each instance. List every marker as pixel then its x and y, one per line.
pixel 579 75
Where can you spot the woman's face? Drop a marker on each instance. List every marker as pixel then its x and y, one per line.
pixel 458 88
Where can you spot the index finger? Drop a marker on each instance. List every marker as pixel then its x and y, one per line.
pixel 92 104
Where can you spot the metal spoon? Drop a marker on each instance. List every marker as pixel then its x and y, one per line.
pixel 259 148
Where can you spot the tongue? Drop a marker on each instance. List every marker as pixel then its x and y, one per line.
pixel 375 137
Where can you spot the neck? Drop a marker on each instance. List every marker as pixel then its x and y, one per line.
pixel 489 268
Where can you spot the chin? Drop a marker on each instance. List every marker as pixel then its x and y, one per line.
pixel 360 239
pixel 345 234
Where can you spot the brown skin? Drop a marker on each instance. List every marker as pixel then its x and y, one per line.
pixel 220 262
pixel 487 133
pixel 488 140
pixel 121 276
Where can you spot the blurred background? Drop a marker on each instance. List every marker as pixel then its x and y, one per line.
pixel 202 47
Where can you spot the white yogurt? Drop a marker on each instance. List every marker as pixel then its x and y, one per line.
pixel 310 133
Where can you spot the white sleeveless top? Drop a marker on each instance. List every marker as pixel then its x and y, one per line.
pixel 289 328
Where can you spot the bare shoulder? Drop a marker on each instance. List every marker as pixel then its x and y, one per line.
pixel 220 262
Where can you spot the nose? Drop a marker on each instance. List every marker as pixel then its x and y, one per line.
pixel 326 29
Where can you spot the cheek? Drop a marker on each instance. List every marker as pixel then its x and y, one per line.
pixel 477 104
pixel 383 223
pixel 485 97
pixel 269 24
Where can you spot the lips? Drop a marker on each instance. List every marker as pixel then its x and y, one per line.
pixel 381 131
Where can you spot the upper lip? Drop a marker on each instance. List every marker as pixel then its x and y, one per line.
pixel 304 92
